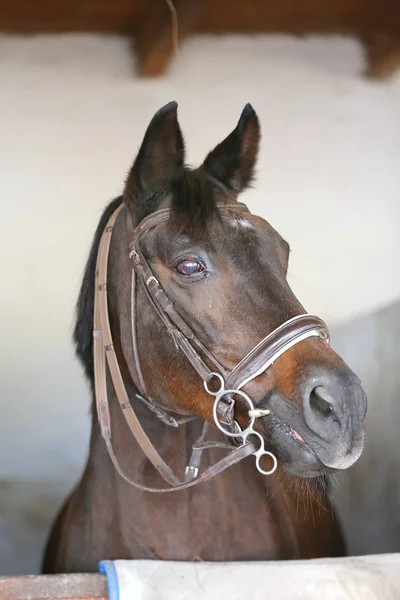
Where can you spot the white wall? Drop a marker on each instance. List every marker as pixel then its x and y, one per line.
pixel 72 115
pixel 368 494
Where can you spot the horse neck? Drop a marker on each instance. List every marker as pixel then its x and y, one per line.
pixel 272 517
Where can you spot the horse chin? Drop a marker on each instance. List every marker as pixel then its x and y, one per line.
pixel 338 457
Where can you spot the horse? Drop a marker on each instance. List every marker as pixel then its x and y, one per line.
pixel 195 298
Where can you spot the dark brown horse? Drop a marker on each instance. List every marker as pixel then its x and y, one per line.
pixel 225 273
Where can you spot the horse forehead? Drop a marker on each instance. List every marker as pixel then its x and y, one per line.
pixel 239 222
pixel 236 228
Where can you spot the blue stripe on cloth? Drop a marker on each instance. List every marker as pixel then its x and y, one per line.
pixel 108 568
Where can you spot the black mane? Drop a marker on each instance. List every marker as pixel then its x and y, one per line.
pixel 193 199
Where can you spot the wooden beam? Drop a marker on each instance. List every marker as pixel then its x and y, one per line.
pixel 381 37
pixel 382 52
pixel 54 587
pixel 155 34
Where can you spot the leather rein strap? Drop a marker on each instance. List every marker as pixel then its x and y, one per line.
pixel 253 364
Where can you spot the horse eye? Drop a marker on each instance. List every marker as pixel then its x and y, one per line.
pixel 189 266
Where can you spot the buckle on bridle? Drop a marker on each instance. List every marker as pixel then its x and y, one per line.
pixel 133 254
pixel 160 413
pixel 191 471
pixel 150 279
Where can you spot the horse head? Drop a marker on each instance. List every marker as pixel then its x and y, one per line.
pixel 224 272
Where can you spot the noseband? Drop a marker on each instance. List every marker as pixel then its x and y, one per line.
pixel 257 361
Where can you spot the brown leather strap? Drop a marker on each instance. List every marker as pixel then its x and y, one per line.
pixel 235 456
pixel 175 325
pixel 151 287
pixel 164 214
pixel 104 345
pixel 271 347
pixel 138 375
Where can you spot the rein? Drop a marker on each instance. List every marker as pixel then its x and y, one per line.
pixel 253 364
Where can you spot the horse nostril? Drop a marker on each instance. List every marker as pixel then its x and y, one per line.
pixel 319 402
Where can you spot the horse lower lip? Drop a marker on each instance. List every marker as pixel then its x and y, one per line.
pixel 297 435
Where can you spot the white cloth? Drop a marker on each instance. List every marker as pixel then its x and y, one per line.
pixel 353 578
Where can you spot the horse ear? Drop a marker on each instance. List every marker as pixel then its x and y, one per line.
pixel 232 162
pixel 159 161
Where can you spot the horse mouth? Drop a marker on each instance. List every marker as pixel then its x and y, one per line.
pixel 296 435
pixel 294 454
pixel 290 431
pixel 294 451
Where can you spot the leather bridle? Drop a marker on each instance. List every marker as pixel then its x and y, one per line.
pixel 231 383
